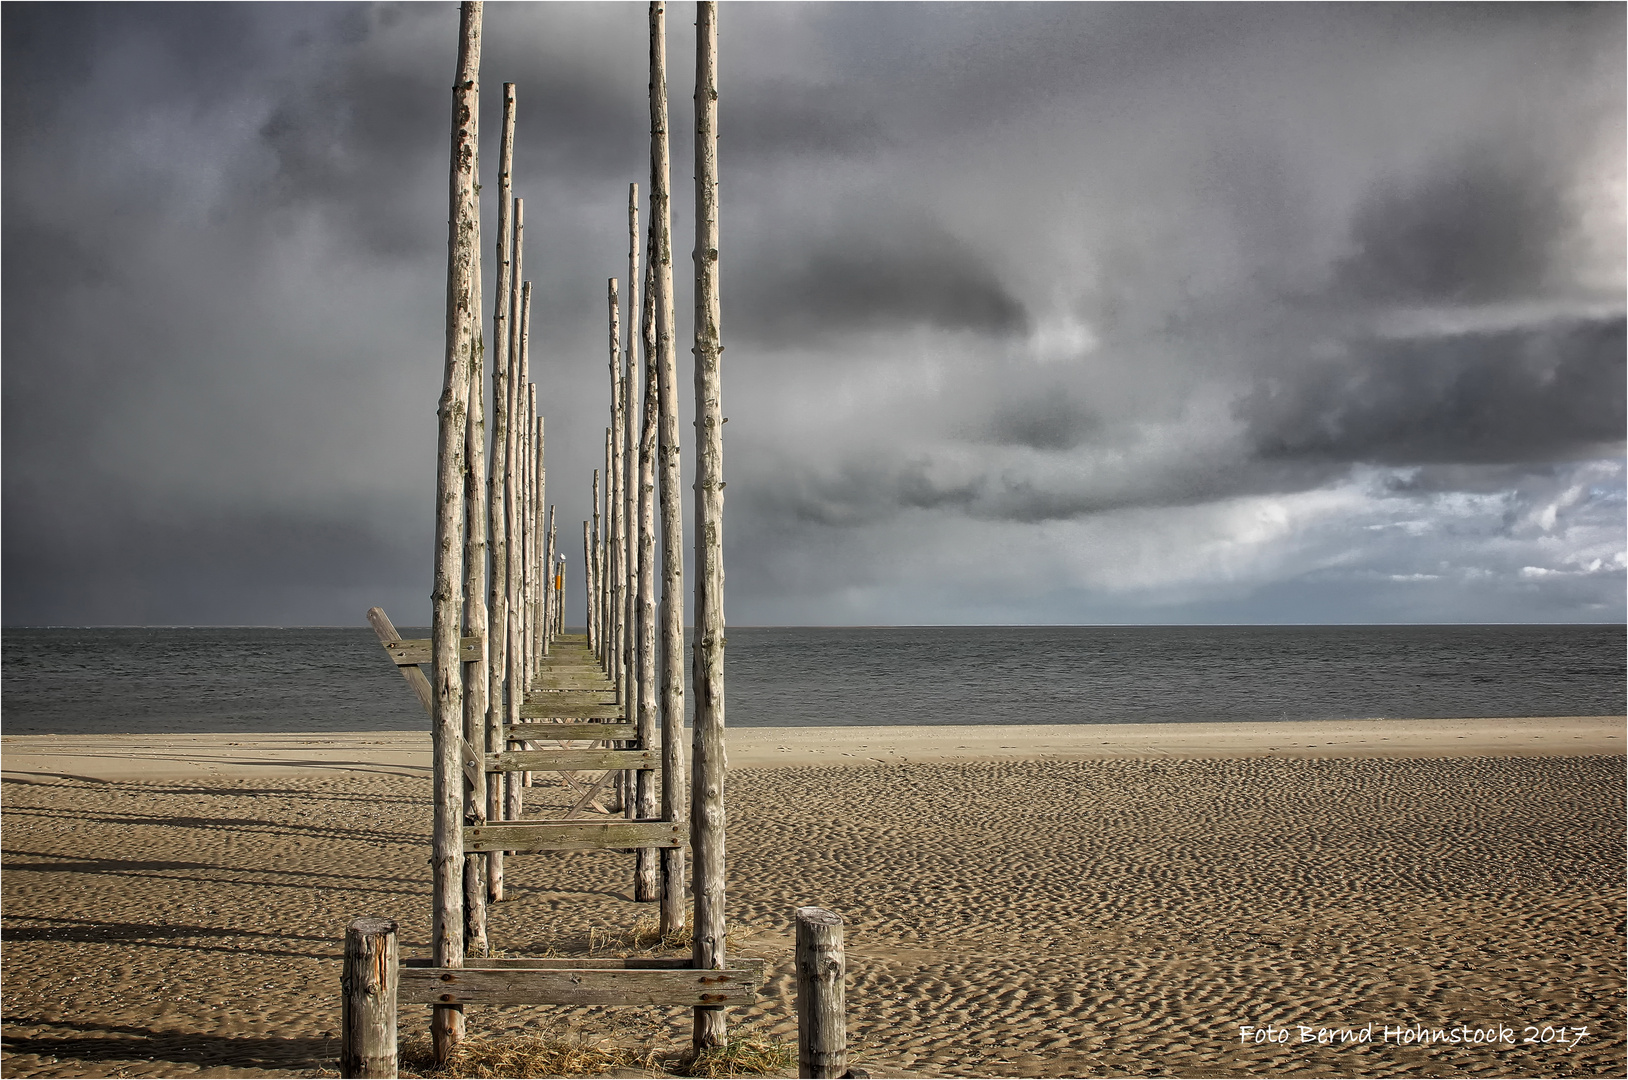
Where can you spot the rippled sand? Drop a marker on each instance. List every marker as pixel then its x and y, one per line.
pixel 1014 918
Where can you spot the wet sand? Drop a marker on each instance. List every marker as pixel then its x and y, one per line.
pixel 1030 907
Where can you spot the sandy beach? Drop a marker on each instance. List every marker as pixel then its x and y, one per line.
pixel 1040 901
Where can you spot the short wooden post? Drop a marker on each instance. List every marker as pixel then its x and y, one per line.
pixel 367 1023
pixel 822 1018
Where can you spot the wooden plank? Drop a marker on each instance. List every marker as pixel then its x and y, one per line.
pixel 418 650
pixel 571 712
pixel 572 835
pixel 574 963
pixel 570 760
pixel 606 696
pixel 573 681
pixel 385 631
pixel 579 986
pixel 544 730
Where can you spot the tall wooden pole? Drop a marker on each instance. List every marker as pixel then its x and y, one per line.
pixel 559 580
pixel 647 878
pixel 520 315
pixel 504 328
pixel 674 789
pixel 590 581
pixel 628 449
pixel 555 600
pixel 475 624
pixel 588 560
pixel 534 531
pixel 462 340
pixel 613 492
pixel 707 797
pixel 540 605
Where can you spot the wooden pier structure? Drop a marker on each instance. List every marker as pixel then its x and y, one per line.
pixel 509 693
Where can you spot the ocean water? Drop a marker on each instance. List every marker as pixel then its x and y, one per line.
pixel 222 679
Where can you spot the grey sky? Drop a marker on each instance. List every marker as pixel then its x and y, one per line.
pixel 1063 313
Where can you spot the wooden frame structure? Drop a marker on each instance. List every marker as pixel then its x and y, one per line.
pixel 508 692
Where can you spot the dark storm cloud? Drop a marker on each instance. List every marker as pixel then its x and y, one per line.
pixel 1531 394
pixel 897 273
pixel 1045 422
pixel 1480 227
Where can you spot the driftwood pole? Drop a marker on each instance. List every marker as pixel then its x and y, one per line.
pixel 475 624
pixel 822 1018
pixel 462 340
pixel 647 877
pixel 555 600
pixel 707 796
pixel 613 494
pixel 504 328
pixel 629 450
pixel 519 315
pixel 559 580
pixel 542 556
pixel 534 517
pixel 367 1025
pixel 587 562
pixel 674 789
pixel 590 582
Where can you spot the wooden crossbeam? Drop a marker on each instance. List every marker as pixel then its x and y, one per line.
pixel 566 760
pixel 573 835
pixel 592 696
pixel 735 985
pixel 550 680
pixel 405 651
pixel 534 711
pixel 545 730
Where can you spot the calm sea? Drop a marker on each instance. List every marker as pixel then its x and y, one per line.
pixel 214 679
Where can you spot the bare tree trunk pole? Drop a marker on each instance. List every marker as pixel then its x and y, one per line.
pixel 822 1017
pixel 647 877
pixel 613 495
pixel 462 340
pixel 534 552
pixel 367 1025
pixel 588 558
pixel 559 596
pixel 590 582
pixel 674 789
pixel 514 497
pixel 707 797
pixel 504 329
pixel 540 603
pixel 475 624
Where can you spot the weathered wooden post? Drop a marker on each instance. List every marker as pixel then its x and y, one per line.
pixel 559 580
pixel 629 450
pixel 822 1017
pixel 475 624
pixel 707 796
pixel 367 1023
pixel 542 556
pixel 504 328
pixel 647 874
pixel 534 539
pixel 590 582
pixel 613 498
pixel 514 494
pixel 674 789
pixel 588 563
pixel 558 626
pixel 462 340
